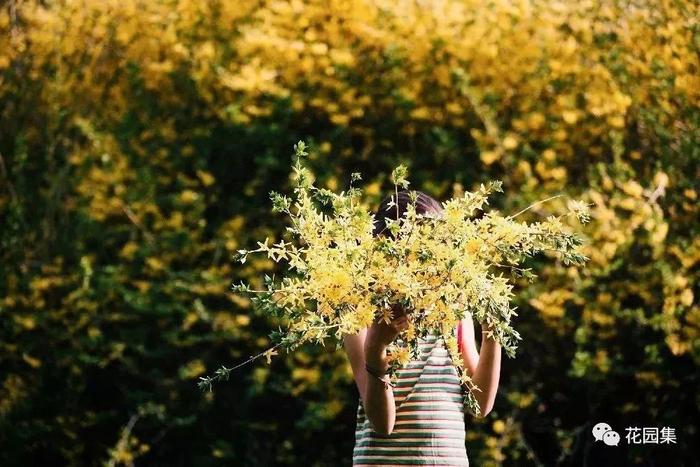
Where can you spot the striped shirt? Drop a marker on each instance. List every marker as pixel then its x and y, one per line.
pixel 429 427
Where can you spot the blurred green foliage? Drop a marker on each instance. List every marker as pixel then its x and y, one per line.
pixel 139 141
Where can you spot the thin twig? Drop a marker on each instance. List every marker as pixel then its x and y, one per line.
pixel 132 217
pixel 13 20
pixel 126 432
pixel 396 191
pixel 509 266
pixel 255 357
pixel 534 204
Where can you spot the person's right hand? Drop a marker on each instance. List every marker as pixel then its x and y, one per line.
pixel 381 334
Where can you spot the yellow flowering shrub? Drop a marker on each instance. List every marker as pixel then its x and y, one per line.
pixel 341 278
pixel 138 136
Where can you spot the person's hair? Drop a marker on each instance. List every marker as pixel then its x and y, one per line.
pixel 425 204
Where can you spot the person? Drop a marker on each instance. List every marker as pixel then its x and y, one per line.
pixel 421 419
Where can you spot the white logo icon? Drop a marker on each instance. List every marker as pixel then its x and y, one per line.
pixel 611 438
pixel 600 429
pixel 604 432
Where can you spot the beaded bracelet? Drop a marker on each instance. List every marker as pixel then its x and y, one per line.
pixel 375 373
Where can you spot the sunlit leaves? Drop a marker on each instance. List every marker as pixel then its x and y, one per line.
pixel 436 274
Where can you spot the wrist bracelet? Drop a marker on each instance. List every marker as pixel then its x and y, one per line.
pixel 384 379
pixel 374 370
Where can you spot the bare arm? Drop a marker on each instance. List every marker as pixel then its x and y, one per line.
pixel 369 346
pixel 355 349
pixel 487 372
pixel 470 354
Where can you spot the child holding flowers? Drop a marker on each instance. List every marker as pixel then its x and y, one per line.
pixel 398 291
pixel 418 420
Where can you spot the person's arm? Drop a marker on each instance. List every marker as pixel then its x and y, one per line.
pixel 355 349
pixel 467 345
pixel 488 371
pixel 379 403
pixel 369 346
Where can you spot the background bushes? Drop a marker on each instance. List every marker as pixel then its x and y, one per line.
pixel 139 142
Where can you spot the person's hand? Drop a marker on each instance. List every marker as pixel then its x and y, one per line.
pixel 381 334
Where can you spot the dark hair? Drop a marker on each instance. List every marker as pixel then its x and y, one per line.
pixel 425 204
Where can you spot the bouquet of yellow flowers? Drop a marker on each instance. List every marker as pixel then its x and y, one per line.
pixel 341 277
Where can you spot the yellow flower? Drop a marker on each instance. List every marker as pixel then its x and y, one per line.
pixel 510 142
pixel 435 277
pixel 188 196
pixel 498 426
pixel 268 355
pixel 489 157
